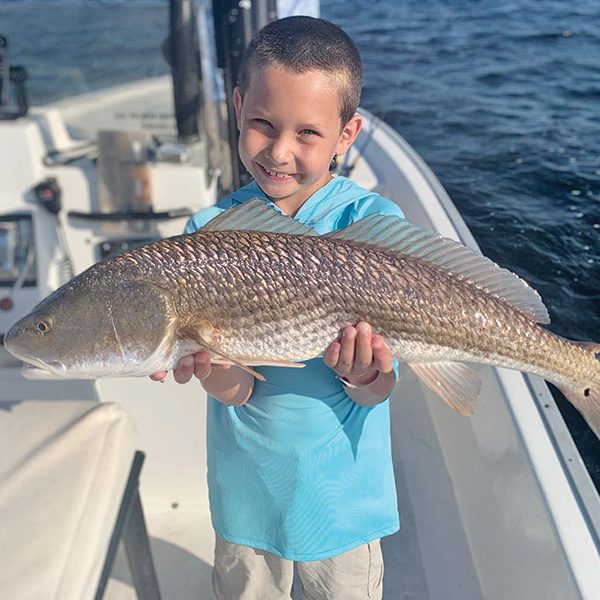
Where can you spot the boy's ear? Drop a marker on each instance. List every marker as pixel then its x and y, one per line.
pixel 237 105
pixel 349 133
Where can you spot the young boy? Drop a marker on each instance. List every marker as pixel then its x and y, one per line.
pixel 299 466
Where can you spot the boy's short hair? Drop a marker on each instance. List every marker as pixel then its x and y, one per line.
pixel 303 44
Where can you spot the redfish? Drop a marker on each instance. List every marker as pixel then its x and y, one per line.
pixel 255 287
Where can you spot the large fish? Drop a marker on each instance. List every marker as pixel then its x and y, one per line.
pixel 258 288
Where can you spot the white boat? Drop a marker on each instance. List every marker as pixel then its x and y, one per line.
pixel 494 506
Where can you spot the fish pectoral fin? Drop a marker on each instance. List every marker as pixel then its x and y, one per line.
pixel 193 333
pixel 457 384
pixel 270 362
pixel 258 362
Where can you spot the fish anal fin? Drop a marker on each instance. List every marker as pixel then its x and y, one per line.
pixel 200 333
pixel 457 384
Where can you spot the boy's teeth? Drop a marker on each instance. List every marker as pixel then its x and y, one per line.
pixel 276 173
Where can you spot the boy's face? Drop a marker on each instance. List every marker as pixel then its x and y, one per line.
pixel 290 129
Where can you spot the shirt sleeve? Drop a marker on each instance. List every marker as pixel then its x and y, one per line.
pixel 376 204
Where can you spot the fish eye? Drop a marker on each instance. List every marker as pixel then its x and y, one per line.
pixel 43 325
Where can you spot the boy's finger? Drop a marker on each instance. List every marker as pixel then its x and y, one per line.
pixel 363 356
pixel 202 366
pixel 184 370
pixel 332 354
pixel 159 375
pixel 381 355
pixel 201 355
pixel 221 365
pixel 348 346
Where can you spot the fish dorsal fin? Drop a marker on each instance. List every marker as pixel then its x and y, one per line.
pixel 256 215
pixel 398 235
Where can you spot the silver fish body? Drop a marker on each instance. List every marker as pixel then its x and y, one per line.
pixel 281 296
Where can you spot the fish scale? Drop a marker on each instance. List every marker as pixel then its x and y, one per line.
pixel 412 308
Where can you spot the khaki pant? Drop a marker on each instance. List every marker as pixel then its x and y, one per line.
pixel 244 573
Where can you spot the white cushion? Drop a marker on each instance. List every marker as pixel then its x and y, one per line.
pixel 63 470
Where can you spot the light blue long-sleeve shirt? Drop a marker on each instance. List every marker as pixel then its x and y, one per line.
pixel 301 470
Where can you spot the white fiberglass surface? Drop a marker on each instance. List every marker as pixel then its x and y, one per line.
pixel 470 502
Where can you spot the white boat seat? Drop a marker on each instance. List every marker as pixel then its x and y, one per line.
pixel 64 469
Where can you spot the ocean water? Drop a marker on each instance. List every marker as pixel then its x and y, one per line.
pixel 502 99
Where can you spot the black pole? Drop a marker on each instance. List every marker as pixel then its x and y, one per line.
pixel 4 72
pixel 131 528
pixel 236 22
pixel 13 93
pixel 185 67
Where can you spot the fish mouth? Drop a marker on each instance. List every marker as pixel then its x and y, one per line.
pixel 50 367
pixel 53 366
pixel 53 370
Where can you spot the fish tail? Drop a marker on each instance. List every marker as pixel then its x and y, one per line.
pixel 586 397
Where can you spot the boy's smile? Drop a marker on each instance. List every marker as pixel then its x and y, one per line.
pixel 290 129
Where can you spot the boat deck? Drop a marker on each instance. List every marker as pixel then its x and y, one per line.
pixel 494 506
pixel 473 514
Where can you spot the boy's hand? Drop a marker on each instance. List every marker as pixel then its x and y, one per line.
pixel 197 365
pixel 359 356
pixel 231 386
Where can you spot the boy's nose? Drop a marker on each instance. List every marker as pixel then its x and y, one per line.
pixel 279 150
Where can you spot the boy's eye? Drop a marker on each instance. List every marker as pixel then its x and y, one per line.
pixel 309 132
pixel 262 122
